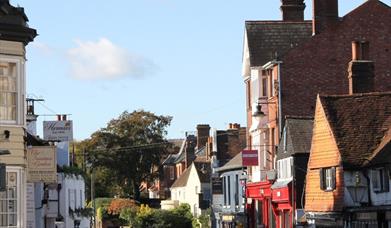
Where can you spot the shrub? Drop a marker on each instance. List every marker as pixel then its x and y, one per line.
pixel 117 205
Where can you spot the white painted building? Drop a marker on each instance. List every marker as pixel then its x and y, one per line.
pixel 187 188
pixel 70 189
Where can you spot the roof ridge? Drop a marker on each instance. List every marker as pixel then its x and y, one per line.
pixel 277 22
pixel 356 95
pixel 299 117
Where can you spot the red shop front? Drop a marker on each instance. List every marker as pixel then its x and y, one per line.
pixel 283 204
pixel 259 204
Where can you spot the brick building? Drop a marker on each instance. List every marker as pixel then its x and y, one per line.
pixel 287 63
pixel 348 170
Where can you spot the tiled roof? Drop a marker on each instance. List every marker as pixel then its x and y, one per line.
pixel 178 157
pixel 234 163
pixel 203 170
pixel 298 136
pixel 360 124
pixel 182 180
pixel 266 39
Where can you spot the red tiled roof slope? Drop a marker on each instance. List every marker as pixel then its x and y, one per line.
pixel 359 123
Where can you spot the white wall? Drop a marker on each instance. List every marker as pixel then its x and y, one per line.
pixel 188 194
pixel 72 195
pixel 356 188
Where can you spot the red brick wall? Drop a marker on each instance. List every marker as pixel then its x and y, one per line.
pixel 321 64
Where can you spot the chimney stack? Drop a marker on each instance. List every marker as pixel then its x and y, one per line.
pixel 292 10
pixel 189 150
pixel 325 14
pixel 361 69
pixel 202 135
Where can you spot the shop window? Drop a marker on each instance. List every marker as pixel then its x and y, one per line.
pixel 237 190
pixel 9 202
pixel 229 190
pixel 225 190
pixel 327 179
pixel 380 180
pixel 258 212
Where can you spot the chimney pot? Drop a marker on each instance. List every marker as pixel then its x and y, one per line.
pixel 292 10
pixel 202 134
pixel 360 50
pixel 325 14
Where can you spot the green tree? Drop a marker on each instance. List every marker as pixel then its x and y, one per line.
pixel 127 152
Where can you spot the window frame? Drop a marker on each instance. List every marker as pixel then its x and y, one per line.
pixel 20 192
pixel 20 90
pixel 380 174
pixel 327 176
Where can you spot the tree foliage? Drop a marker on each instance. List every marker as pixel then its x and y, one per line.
pixel 127 152
pixel 144 216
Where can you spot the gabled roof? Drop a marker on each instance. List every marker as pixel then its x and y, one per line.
pixel 297 138
pixel 178 157
pixel 234 163
pixel 360 124
pixel 182 180
pixel 203 169
pixel 268 39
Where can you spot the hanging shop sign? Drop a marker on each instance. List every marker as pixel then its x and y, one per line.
pixel 58 130
pixel 42 164
pixel 249 157
pixel 217 185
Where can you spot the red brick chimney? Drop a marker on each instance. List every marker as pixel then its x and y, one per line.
pixel 325 14
pixel 292 10
pixel 202 135
pixel 361 69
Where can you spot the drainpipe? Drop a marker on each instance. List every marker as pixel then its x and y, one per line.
pixel 279 98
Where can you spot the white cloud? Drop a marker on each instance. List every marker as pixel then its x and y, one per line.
pixel 104 60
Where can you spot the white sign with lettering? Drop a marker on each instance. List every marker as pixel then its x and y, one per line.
pixel 58 130
pixel 42 164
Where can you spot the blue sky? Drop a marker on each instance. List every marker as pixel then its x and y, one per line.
pixel 95 59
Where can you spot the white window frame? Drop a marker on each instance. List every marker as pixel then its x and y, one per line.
pixel 284 168
pixel 20 195
pixel 20 90
pixel 328 179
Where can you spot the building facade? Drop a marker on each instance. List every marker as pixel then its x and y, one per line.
pixel 15 35
pixel 284 73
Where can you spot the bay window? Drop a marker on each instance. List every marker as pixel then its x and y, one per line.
pixel 8 92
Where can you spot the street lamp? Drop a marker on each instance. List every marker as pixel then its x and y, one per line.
pixel 258 111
